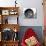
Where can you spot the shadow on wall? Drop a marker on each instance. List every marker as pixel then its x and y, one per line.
pixel 37 29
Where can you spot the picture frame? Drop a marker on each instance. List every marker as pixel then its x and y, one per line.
pixel 13 12
pixel 30 13
pixel 5 12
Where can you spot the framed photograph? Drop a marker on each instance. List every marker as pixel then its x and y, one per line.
pixel 30 12
pixel 12 12
pixel 5 12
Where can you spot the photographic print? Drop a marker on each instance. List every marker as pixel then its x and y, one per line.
pixel 30 13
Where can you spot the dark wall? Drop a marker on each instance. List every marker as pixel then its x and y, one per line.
pixel 37 29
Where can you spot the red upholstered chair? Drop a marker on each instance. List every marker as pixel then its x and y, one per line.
pixel 29 33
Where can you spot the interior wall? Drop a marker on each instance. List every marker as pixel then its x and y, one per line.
pixel 32 4
pixel 7 3
pixel 37 29
pixel 27 4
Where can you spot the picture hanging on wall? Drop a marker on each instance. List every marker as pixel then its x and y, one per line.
pixel 5 12
pixel 30 12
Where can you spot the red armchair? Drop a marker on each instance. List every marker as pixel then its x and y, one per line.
pixel 29 33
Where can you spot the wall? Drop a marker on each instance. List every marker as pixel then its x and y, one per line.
pixel 7 3
pixel 27 4
pixel 32 4
pixel 37 29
